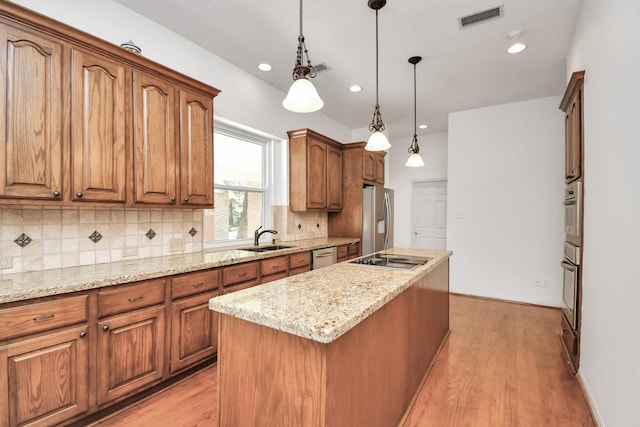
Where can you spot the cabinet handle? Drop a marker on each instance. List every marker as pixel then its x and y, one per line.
pixel 83 334
pixel 244 273
pixel 275 267
pixel 140 298
pixel 42 318
pixel 56 194
pixel 79 194
pixel 173 199
pixel 105 328
pixel 197 285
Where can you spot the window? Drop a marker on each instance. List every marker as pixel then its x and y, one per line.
pixel 241 187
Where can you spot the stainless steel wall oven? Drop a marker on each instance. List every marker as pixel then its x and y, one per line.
pixel 570 284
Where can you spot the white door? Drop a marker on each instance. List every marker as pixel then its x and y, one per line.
pixel 430 215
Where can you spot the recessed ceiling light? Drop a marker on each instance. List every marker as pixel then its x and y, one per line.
pixel 517 48
pixel 264 67
pixel 355 88
pixel 422 126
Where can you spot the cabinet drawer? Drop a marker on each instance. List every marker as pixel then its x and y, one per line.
pixel 303 269
pixel 194 283
pixel 240 273
pixel 273 265
pixel 299 260
pixel 130 297
pixel 43 316
pixel 240 286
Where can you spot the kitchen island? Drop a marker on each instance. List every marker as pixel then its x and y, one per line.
pixel 346 345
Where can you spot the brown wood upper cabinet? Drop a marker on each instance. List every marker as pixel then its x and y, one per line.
pixel 315 172
pixel 85 122
pixel 373 166
pixel 571 104
pixel 98 123
pixel 31 115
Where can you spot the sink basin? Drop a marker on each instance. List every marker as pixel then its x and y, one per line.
pixel 265 248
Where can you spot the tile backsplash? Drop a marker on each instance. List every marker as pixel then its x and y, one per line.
pixel 41 238
pixel 299 225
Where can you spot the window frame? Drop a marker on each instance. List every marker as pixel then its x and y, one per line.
pixel 266 143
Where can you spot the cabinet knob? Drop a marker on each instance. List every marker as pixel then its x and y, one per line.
pixel 105 328
pixel 79 194
pixel 83 334
pixel 186 199
pixel 173 199
pixel 56 194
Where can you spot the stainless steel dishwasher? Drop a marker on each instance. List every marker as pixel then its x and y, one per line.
pixel 324 257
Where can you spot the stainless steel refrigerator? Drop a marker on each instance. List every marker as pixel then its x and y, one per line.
pixel 377 219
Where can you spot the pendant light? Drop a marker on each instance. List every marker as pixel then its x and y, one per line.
pixel 377 140
pixel 302 96
pixel 415 159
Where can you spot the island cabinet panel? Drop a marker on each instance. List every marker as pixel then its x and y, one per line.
pixel 98 123
pixel 45 378
pixel 155 135
pixel 366 377
pixel 196 149
pixel 31 115
pixel 285 387
pixel 130 352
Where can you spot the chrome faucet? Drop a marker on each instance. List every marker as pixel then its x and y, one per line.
pixel 258 233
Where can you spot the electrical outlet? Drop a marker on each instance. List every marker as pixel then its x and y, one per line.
pixel 176 245
pixel 6 262
pixel 538 283
pixel 545 283
pixel 129 251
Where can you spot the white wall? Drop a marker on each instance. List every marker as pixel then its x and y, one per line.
pixel 505 191
pixel 605 45
pixel 433 149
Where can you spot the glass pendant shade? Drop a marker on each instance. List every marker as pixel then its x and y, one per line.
pixel 377 142
pixel 414 161
pixel 302 97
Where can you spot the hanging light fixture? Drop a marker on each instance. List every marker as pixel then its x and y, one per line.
pixel 415 159
pixel 302 96
pixel 377 140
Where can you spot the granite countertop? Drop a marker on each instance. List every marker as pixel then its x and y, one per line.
pixel 323 304
pixel 23 286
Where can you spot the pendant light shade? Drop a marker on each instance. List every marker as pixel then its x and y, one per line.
pixel 415 159
pixel 377 140
pixel 302 96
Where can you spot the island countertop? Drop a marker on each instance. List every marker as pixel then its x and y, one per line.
pixel 36 284
pixel 324 304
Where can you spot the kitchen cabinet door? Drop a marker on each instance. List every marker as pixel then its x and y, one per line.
pixel 571 104
pixel 379 167
pixel 334 179
pixel 196 149
pixel 44 379
pixel 316 175
pixel 194 331
pixel 130 352
pixel 155 156
pixel 98 123
pixel 31 115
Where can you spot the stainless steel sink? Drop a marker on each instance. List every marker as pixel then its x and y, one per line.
pixel 265 248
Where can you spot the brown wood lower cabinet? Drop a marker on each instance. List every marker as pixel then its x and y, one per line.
pixel 130 352
pixel 299 263
pixel 194 331
pixel 44 378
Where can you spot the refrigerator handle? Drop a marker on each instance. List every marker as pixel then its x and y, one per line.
pixel 387 219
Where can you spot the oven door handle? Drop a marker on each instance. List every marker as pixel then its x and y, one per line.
pixel 568 266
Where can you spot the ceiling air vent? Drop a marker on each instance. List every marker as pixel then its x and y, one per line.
pixel 494 12
pixel 322 67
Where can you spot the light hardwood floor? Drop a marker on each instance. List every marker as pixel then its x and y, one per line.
pixel 502 365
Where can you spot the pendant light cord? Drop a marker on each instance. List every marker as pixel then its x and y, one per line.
pixel 300 17
pixel 377 103
pixel 415 106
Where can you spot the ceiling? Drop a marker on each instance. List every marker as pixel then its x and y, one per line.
pixel 461 68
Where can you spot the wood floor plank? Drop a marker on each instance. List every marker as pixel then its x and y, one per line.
pixel 502 365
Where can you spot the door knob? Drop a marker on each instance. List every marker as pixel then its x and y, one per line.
pixel 415 232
